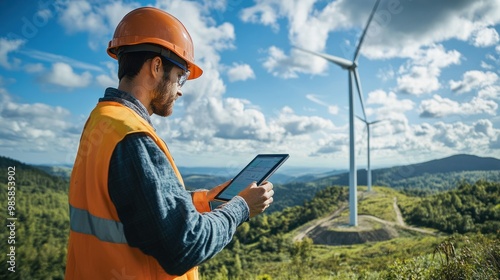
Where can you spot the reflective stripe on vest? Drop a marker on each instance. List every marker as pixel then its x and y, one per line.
pixel 105 230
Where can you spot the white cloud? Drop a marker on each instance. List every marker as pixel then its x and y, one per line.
pixel 490 92
pixel 279 64
pixel 98 19
pixel 462 137
pixel 485 37
pixel 485 127
pixel 106 81
pixel 388 104
pixel 419 80
pixel 391 111
pixel 335 144
pixel 79 16
pixel 441 107
pixel 7 46
pixel 63 75
pixel 421 74
pixel 264 12
pixel 110 80
pixel 37 132
pixel 240 72
pixel 297 125
pixel 232 119
pixel 472 80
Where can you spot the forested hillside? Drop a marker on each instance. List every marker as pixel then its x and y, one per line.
pixel 42 225
pixel 470 207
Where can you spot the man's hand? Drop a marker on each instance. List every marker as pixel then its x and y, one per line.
pixel 258 198
pixel 213 192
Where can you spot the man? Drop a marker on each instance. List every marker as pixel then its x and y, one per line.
pixel 130 215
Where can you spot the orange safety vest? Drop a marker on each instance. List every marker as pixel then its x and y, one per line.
pixel 97 247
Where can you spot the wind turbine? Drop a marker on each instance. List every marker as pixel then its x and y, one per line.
pixel 351 67
pixel 369 171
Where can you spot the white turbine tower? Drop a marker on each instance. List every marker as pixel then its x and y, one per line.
pixel 369 171
pixel 351 66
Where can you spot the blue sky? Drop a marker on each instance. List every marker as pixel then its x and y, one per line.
pixel 429 69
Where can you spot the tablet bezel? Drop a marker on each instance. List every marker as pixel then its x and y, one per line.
pixel 266 176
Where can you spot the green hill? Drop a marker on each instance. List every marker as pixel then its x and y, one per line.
pixel 383 247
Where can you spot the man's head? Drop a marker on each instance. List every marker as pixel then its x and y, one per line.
pixel 153 79
pixel 155 51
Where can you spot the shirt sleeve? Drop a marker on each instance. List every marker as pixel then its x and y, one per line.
pixel 158 214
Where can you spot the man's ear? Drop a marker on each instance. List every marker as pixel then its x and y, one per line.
pixel 156 63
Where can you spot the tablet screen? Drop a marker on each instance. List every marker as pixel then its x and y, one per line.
pixel 258 170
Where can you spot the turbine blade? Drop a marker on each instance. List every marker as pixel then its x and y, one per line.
pixel 361 119
pixel 360 92
pixel 377 121
pixel 364 31
pixel 342 62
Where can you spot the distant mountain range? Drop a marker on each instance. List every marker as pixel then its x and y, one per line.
pixel 452 164
pixel 391 177
pixel 434 175
pixel 295 187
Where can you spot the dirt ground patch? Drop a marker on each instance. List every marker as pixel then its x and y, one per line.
pixel 338 232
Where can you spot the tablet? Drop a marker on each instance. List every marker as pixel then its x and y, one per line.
pixel 258 170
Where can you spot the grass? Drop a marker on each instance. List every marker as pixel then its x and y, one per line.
pixel 374 256
pixel 344 262
pixel 379 202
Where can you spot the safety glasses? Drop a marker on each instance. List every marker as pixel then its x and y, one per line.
pixel 183 78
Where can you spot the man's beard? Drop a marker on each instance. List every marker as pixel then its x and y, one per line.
pixel 163 102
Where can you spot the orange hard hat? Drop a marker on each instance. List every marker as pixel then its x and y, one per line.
pixel 155 30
